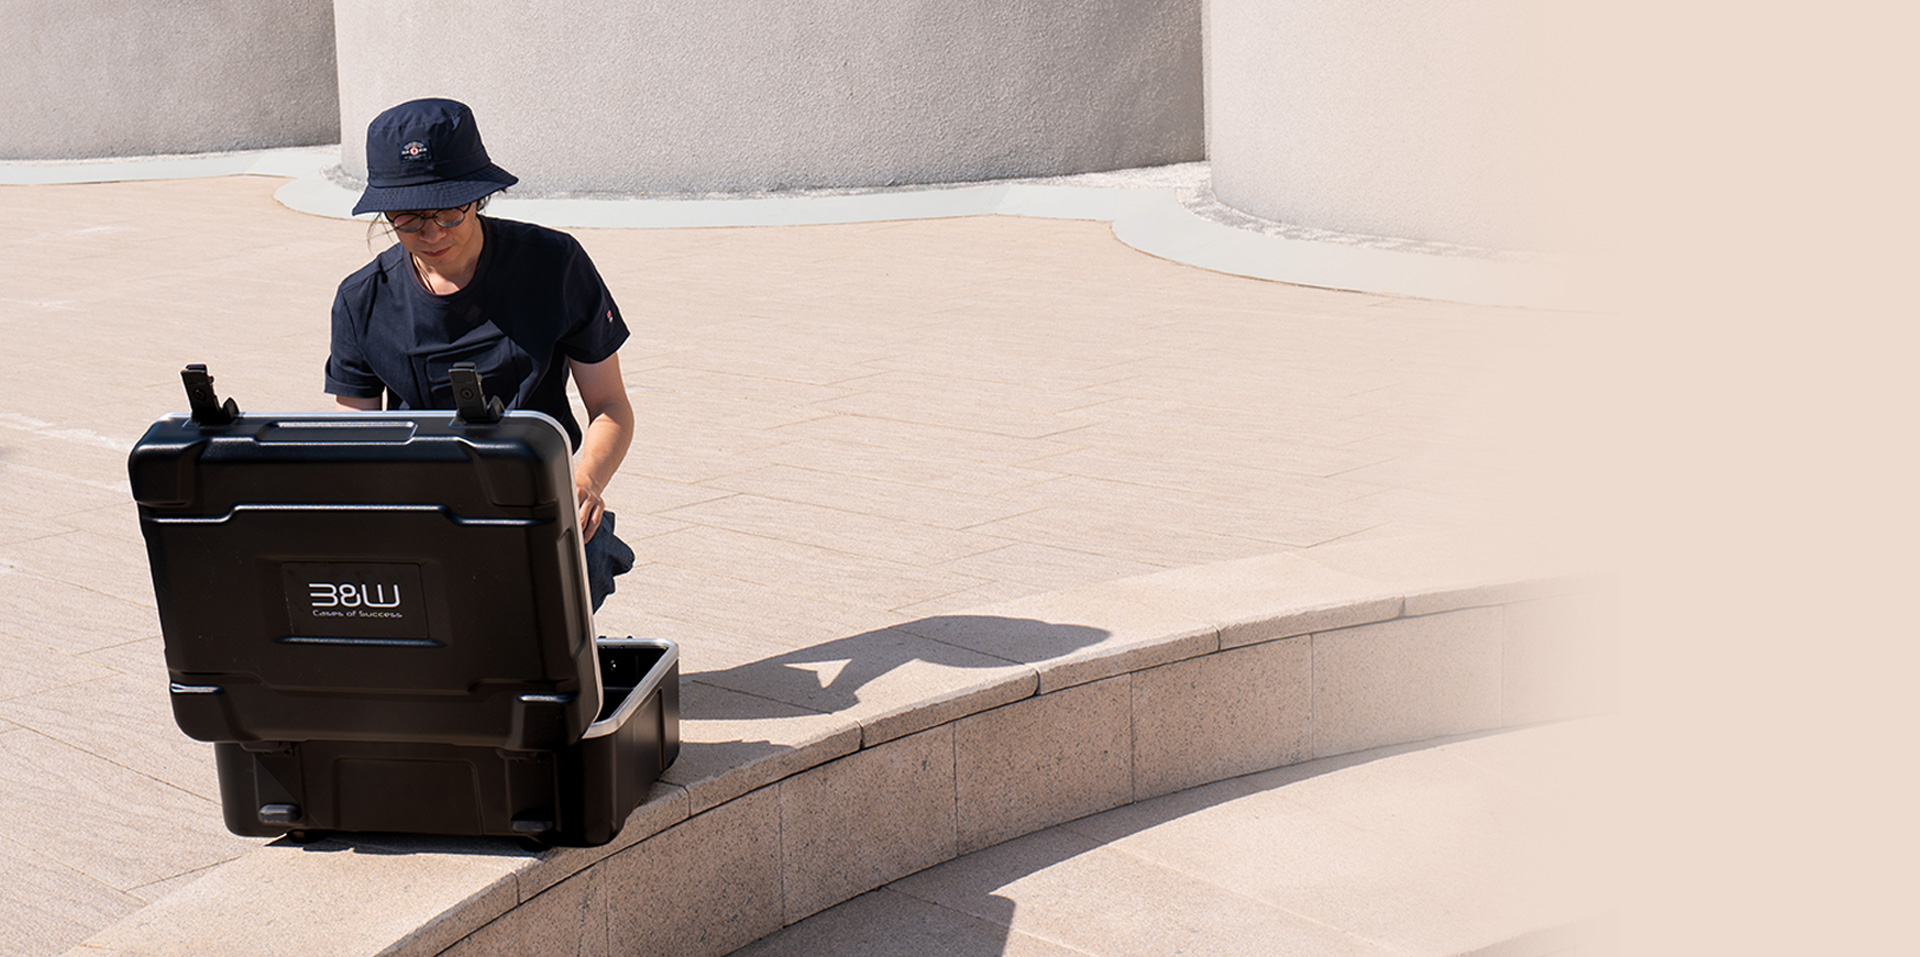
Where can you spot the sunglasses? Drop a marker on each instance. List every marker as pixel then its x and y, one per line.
pixel 412 221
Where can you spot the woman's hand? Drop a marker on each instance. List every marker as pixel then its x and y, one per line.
pixel 591 506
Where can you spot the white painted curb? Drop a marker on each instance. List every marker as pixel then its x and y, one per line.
pixel 1151 219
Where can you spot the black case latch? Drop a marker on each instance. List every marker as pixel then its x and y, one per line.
pixel 470 404
pixel 206 406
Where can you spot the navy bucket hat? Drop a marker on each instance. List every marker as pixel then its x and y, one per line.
pixel 427 154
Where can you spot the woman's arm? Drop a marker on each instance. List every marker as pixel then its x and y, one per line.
pixel 609 432
pixel 354 403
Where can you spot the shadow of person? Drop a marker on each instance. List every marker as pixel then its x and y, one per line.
pixel 828 677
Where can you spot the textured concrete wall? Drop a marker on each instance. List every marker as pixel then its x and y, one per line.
pixel 695 95
pixel 91 78
pixel 1417 120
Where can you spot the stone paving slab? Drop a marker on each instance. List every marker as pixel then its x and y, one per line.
pixel 1491 844
pixel 725 732
pixel 844 428
pixel 117 724
pixel 115 825
pixel 49 901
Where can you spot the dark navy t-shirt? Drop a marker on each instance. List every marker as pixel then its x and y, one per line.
pixel 535 301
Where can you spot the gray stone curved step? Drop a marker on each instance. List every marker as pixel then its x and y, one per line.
pixel 1168 681
pixel 1485 844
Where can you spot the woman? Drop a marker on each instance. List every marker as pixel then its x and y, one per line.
pixel 521 302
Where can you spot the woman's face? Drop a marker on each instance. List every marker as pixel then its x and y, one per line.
pixel 444 247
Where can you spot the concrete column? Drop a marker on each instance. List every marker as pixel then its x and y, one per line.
pixel 1413 119
pixel 686 96
pixel 93 78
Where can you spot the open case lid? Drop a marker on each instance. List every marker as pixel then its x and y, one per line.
pixel 399 575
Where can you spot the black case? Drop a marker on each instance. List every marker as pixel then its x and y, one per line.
pixel 382 621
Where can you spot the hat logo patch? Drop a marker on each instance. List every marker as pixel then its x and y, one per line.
pixel 415 151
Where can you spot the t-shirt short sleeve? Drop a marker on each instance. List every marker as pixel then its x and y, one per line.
pixel 536 301
pixel 596 330
pixel 348 373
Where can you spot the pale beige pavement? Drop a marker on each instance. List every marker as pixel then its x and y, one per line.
pixel 842 427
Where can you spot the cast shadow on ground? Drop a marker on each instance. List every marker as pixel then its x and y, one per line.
pixel 821 679
pixel 828 677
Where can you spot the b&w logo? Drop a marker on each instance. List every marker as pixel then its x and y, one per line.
pixel 349 595
pixel 354 600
